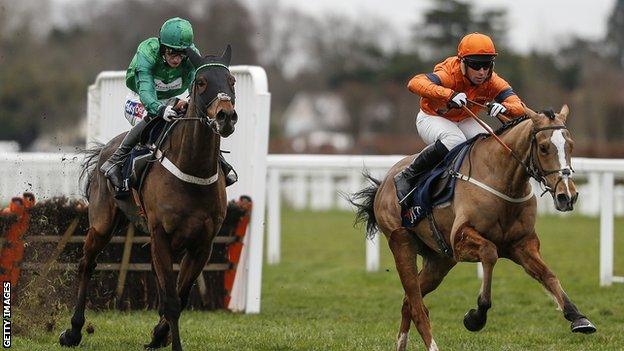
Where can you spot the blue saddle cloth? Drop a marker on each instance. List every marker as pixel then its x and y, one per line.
pixel 422 200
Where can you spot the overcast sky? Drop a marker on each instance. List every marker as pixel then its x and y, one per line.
pixel 539 24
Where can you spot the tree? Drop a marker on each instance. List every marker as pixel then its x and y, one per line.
pixel 615 32
pixel 449 20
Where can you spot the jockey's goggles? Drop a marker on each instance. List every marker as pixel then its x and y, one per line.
pixel 478 65
pixel 173 52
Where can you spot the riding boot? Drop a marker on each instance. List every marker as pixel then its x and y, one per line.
pixel 231 176
pixel 425 161
pixel 112 167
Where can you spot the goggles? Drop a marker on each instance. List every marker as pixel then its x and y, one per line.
pixel 478 65
pixel 175 53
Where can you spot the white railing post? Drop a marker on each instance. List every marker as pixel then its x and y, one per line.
pixel 372 253
pixel 606 229
pixel 274 217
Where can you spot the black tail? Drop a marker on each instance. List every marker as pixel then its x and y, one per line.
pixel 88 166
pixel 364 200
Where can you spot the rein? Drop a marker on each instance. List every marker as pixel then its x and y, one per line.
pixel 531 165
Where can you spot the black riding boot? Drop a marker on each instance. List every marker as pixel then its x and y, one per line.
pixel 112 167
pixel 227 169
pixel 424 161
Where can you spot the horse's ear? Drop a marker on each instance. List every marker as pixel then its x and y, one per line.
pixel 226 56
pixel 534 116
pixel 195 58
pixel 563 114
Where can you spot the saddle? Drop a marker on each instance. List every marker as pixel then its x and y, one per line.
pixel 435 187
pixel 137 163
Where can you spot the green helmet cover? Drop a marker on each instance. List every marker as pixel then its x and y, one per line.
pixel 176 33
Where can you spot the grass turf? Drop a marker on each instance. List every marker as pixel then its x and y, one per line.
pixel 320 298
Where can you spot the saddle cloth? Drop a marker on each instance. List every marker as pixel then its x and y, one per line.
pixel 136 163
pixel 434 187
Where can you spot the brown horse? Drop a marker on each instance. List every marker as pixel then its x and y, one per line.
pixel 479 225
pixel 183 197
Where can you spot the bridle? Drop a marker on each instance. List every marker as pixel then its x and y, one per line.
pixel 203 116
pixel 535 169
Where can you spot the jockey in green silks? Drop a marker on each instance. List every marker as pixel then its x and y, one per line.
pixel 159 76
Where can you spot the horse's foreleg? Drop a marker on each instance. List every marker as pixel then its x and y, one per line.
pixel 469 245
pixel 526 253
pixel 162 258
pixel 94 243
pixel 404 248
pixel 160 333
pixel 191 267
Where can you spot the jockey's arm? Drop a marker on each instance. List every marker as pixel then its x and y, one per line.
pixel 145 84
pixel 430 85
pixel 147 92
pixel 507 97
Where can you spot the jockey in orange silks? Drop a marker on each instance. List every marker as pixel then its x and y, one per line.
pixel 441 122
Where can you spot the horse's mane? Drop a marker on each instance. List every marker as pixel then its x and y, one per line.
pixel 510 124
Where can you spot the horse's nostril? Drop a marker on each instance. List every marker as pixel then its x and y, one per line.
pixel 562 198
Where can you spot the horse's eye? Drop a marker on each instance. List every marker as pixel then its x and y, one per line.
pixel 201 84
pixel 543 149
pixel 231 80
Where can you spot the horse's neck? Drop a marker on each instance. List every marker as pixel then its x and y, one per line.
pixel 194 148
pixel 507 171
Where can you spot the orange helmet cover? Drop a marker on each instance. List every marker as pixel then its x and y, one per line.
pixel 476 44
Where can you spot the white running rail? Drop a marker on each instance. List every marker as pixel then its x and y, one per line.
pixel 316 181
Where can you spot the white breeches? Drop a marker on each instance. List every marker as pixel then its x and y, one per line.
pixel 432 128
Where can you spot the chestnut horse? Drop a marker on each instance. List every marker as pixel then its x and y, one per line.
pixel 479 225
pixel 183 198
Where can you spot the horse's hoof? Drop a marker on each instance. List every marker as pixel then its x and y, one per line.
pixel 67 339
pixel 158 343
pixel 583 325
pixel 473 321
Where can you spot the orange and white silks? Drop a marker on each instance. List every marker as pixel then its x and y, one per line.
pixel 436 89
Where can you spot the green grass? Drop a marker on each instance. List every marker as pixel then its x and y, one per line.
pixel 320 298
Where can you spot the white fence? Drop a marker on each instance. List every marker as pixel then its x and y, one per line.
pixel 317 182
pixel 48 175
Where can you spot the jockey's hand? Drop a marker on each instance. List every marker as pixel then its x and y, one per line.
pixel 167 113
pixel 495 108
pixel 457 100
pixel 181 105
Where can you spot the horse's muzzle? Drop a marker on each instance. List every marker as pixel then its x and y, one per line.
pixel 565 203
pixel 227 120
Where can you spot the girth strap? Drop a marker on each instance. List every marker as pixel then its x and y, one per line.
pixel 442 245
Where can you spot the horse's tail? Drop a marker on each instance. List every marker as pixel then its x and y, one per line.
pixel 364 200
pixel 88 166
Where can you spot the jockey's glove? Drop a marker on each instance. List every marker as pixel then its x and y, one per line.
pixel 167 113
pixel 495 108
pixel 457 100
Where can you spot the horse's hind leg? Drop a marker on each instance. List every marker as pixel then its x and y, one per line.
pixel 435 268
pixel 404 249
pixel 162 257
pixel 526 253
pixel 470 246
pixel 94 243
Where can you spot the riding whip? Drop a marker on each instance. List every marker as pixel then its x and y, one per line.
pixel 487 128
